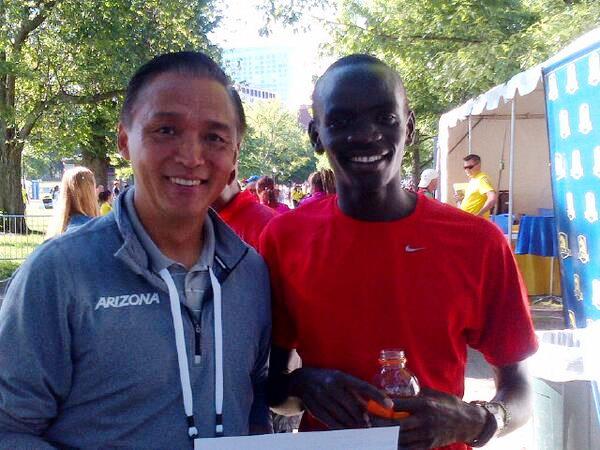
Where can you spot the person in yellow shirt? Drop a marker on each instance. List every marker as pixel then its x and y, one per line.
pixel 480 196
pixel 104 199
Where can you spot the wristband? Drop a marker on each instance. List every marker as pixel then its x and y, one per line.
pixel 497 417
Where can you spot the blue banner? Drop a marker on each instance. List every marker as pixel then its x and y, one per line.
pixel 572 89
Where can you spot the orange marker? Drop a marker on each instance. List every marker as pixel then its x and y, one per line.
pixel 387 413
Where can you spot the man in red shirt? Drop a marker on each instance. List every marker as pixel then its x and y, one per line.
pixel 377 267
pixel 242 212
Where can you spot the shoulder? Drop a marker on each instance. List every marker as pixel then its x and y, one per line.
pixel 59 262
pixel 87 241
pixel 256 211
pixel 444 219
pixel 483 177
pixel 231 249
pixel 293 230
pixel 295 219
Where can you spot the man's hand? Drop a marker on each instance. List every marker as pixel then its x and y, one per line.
pixel 335 398
pixel 458 198
pixel 436 419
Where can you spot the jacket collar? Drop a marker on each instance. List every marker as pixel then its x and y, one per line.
pixel 229 248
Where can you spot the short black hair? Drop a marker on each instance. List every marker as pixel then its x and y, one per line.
pixel 472 157
pixel 357 59
pixel 186 62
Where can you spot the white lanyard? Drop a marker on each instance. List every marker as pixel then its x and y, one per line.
pixel 182 360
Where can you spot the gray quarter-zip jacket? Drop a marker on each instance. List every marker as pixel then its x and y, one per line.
pixel 87 345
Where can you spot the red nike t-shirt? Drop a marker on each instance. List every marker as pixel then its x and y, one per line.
pixel 430 284
pixel 247 217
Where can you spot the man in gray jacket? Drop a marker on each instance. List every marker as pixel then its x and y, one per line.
pixel 148 327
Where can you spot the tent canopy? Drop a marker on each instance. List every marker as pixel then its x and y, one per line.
pixel 489 116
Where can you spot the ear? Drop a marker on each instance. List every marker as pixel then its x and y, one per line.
pixel 313 134
pixel 233 174
pixel 123 141
pixel 236 154
pixel 410 128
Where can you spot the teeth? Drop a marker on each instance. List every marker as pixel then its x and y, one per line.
pixel 367 159
pixel 184 182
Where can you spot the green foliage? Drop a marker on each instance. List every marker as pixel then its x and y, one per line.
pixel 275 144
pixel 447 51
pixel 323 162
pixel 64 66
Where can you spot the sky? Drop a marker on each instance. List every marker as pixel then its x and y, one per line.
pixel 239 28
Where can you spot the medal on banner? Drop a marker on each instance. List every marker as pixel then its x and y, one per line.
pixel 563 244
pixel 577 292
pixel 590 213
pixel 570 206
pixel 583 254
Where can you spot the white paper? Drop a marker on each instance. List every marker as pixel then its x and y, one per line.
pixel 364 439
pixel 567 355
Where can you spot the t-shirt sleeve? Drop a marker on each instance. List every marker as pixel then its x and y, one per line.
pixel 485 185
pixel 284 330
pixel 503 329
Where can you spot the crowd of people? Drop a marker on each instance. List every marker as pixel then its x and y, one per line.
pixel 182 314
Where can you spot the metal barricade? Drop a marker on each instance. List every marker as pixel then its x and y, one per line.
pixel 20 235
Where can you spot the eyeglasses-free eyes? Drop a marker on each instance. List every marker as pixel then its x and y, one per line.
pixel 469 167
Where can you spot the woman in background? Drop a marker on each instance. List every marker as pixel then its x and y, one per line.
pixel 267 195
pixel 322 184
pixel 76 203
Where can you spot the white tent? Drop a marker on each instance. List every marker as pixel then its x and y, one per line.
pixel 507 119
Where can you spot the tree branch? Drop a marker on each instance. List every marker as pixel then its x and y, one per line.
pixel 62 97
pixel 28 26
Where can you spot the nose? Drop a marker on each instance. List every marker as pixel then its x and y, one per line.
pixel 191 153
pixel 363 134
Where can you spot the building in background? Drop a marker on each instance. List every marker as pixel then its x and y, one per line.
pixel 271 69
pixel 250 94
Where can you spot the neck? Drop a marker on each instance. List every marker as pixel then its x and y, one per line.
pixel 183 246
pixel 383 205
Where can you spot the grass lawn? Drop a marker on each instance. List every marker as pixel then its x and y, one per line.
pixel 16 247
pixel 7 268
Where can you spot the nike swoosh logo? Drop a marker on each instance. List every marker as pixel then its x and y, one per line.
pixel 409 249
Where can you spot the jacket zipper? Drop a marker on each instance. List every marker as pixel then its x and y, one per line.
pixel 197 337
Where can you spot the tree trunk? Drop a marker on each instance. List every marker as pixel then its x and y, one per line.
pixel 11 196
pixel 415 166
pixel 98 165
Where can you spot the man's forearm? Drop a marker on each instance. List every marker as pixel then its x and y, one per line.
pixel 487 206
pixel 514 391
pixel 489 203
pixel 281 397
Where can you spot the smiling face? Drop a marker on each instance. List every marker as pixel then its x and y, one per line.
pixel 182 141
pixel 362 122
